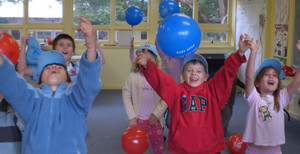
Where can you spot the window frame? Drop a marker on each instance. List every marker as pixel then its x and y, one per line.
pixel 151 26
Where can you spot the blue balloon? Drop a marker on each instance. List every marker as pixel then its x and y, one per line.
pixel 168 7
pixel 178 36
pixel 133 15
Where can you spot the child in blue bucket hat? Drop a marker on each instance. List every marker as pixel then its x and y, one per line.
pixel 195 104
pixel 55 114
pixel 264 130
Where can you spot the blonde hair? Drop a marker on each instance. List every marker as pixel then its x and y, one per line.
pixel 135 67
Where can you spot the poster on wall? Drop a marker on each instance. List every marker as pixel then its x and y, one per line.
pixel 282 12
pixel 280 41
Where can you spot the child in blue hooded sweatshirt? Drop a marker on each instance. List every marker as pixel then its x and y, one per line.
pixel 56 113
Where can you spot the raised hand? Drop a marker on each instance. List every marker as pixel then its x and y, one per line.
pixel 254 46
pixel 23 39
pixel 132 42
pixel 143 57
pixel 90 37
pixel 244 44
pixel 87 29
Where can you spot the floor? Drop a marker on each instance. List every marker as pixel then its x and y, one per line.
pixel 107 121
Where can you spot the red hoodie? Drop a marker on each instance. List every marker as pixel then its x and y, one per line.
pixel 195 125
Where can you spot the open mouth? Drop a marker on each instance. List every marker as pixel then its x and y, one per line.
pixel 271 82
pixel 53 72
pixel 193 79
pixel 64 52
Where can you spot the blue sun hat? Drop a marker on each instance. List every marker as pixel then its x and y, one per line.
pixel 50 57
pixel 274 63
pixel 197 57
pixel 150 47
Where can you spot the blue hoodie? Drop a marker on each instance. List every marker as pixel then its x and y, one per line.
pixel 56 121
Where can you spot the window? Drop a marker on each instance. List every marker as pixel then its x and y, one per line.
pixel 14 33
pixel 48 18
pixel 98 11
pixel 45 34
pixel 186 7
pixel 49 11
pixel 123 5
pixel 212 11
pixel 212 17
pixel 11 12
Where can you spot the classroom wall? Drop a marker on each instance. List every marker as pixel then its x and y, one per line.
pixel 117 67
pixel 273 10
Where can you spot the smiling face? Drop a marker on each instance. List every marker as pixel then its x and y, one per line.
pixel 267 81
pixel 65 46
pixel 194 74
pixel 53 75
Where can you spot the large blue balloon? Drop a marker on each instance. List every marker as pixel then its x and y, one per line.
pixel 178 36
pixel 168 7
pixel 133 15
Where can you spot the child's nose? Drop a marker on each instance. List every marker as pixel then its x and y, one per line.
pixel 53 66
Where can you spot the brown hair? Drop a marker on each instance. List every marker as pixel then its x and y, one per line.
pixel 135 67
pixel 63 36
pixel 194 62
pixel 276 92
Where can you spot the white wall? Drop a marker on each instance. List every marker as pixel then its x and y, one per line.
pixel 247 22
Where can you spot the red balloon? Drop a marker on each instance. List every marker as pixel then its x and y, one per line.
pixel 235 144
pixel 135 140
pixel 50 41
pixel 9 47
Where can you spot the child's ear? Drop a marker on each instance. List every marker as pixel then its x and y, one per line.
pixel 206 77
pixel 182 76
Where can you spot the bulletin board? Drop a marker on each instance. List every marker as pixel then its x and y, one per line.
pixel 281 30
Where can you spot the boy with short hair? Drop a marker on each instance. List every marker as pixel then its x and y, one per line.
pixel 195 104
pixel 56 113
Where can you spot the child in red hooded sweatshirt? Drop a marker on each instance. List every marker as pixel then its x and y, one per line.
pixel 195 104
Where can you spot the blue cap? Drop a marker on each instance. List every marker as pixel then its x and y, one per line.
pixel 197 57
pixel 150 47
pixel 274 63
pixel 50 57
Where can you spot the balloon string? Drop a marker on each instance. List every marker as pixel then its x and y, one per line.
pixel 133 33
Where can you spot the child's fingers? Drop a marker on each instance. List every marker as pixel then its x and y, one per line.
pixel 146 51
pixel 83 19
pixel 241 37
pixel 140 52
pixel 84 24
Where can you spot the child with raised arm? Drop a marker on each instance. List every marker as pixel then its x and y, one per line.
pixel 56 113
pixel 195 104
pixel 143 106
pixel 63 43
pixel 264 130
